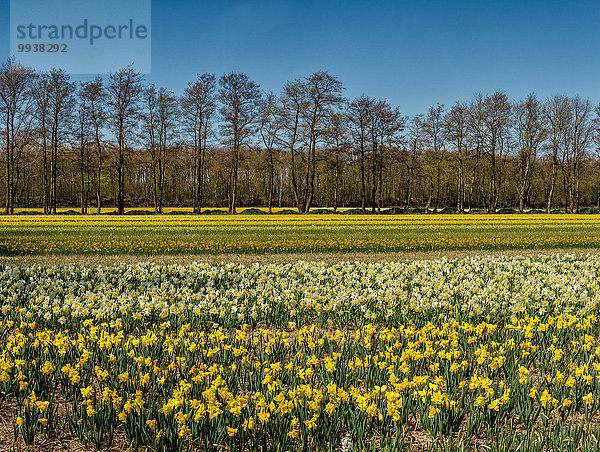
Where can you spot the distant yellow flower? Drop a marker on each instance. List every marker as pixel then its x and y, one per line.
pixel 558 354
pixel 311 423
pixel 480 401
pixel 533 393
pixel 48 368
pixel 86 392
pixel 433 411
pixel 249 424
pixel 264 416
pixel 545 398
pixel 495 405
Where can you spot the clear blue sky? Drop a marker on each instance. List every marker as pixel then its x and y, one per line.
pixel 413 53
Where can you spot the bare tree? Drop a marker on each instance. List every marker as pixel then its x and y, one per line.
pixel 149 126
pixel 269 129
pixel 123 90
pixel 393 125
pixel 376 112
pixel 558 114
pixel 198 104
pixel 82 132
pixel 62 102
pixel 581 135
pixel 531 132
pixel 41 96
pixel 384 125
pixel 323 97
pixel 596 144
pixel 338 143
pixel 158 123
pixel 478 135
pixel 497 121
pixel 458 130
pixel 436 134
pixel 416 137
pixel 288 149
pixel 94 97
pixel 239 97
pixel 16 111
pixel 293 104
pixel 167 115
pixel 359 117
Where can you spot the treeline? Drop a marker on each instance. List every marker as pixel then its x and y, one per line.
pixel 118 141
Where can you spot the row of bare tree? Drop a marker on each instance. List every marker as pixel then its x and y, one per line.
pixel 120 141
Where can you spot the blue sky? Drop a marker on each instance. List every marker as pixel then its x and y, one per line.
pixel 414 53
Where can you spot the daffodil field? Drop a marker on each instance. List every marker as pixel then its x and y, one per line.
pixel 270 234
pixel 500 353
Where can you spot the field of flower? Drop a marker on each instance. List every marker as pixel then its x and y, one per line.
pixel 494 354
pixel 260 234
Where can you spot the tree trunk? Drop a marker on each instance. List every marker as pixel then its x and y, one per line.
pixel 8 164
pixel 271 180
pixel 408 190
pixel 373 176
pixel 336 183
pixel 53 172
pixel 552 186
pixel 234 179
pixel 380 183
pixel 362 175
pixel 311 180
pixel 82 170
pixel 121 170
pixel 459 189
pixel 45 169
pixel 154 185
pixel 161 184
pixel 99 181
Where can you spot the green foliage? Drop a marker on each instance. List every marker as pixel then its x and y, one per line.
pixel 287 212
pixel 323 211
pixel 214 212
pixel 139 212
pixel 253 211
pixel 394 211
pixel 355 211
